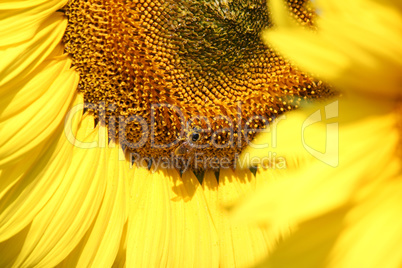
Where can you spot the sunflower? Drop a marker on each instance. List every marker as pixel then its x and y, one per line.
pixel 76 76
pixel 343 213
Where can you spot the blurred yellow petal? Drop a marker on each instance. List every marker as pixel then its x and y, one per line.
pixel 308 246
pixel 298 138
pixel 357 46
pixel 310 170
pixel 315 52
pixel 373 229
pixel 356 234
pixel 337 213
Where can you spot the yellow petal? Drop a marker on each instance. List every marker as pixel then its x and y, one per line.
pixel 239 244
pixel 169 222
pixel 19 61
pixel 28 185
pixel 23 131
pixel 20 20
pixel 11 248
pixel 20 96
pixel 11 175
pixel 64 220
pixel 120 260
pixel 34 188
pixel 101 244
pixel 22 4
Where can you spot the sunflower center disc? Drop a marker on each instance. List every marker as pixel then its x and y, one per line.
pixel 183 80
